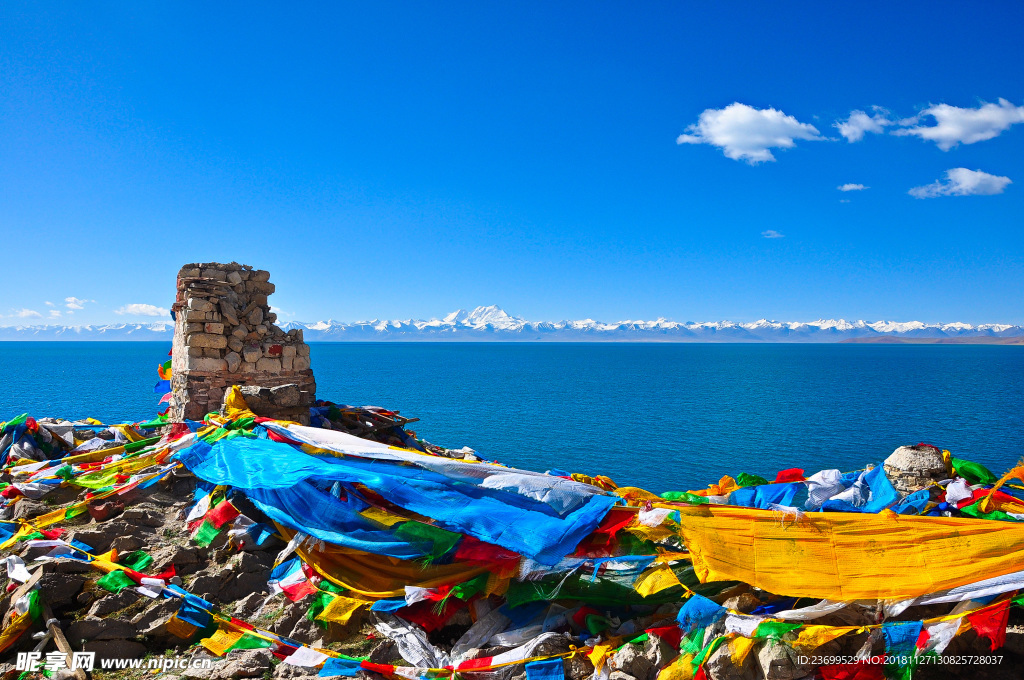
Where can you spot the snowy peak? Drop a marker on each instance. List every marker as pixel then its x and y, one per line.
pixel 494 323
pixel 493 316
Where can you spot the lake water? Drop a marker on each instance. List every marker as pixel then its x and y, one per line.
pixel 659 416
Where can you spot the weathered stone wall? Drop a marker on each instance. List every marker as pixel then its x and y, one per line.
pixel 224 334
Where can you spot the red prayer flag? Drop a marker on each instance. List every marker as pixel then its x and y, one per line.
pixel 790 475
pixel 672 635
pixel 222 514
pixel 991 623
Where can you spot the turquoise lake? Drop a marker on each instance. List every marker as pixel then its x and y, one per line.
pixel 659 416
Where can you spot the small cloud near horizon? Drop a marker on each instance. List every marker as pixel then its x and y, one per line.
pixel 26 313
pixel 852 187
pixel 139 309
pixel 963 182
pixel 75 303
pixel 771 233
pixel 748 134
pixel 54 313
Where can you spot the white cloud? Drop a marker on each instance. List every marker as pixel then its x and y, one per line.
pixel 26 313
pixel 48 303
pixel 771 233
pixel 954 125
pixel 859 122
pixel 748 134
pixel 963 182
pixel 137 309
pixel 54 313
pixel 75 303
pixel 844 200
pixel 852 187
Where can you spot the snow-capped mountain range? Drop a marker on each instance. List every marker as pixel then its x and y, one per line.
pixel 493 323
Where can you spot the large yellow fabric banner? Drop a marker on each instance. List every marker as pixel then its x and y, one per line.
pixel 848 556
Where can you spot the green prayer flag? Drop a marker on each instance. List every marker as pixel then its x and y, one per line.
pixel 206 533
pixel 115 581
pixel 434 541
pixel 975 511
pixel 251 642
pixel 684 496
pixel 774 629
pixel 708 651
pixel 975 473
pixel 466 590
pixel 750 480
pixel 136 561
pixel 691 643
pixel 75 511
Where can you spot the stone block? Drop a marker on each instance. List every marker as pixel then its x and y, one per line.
pixel 200 304
pixel 248 367
pixel 252 354
pixel 234 361
pixel 207 340
pixel 234 278
pixel 189 273
pixel 210 352
pixel 195 352
pixel 300 364
pixel 214 328
pixel 235 344
pixel 288 363
pixel 206 364
pixel 262 330
pixel 260 275
pixel 288 350
pixel 256 316
pixel 193 315
pixel 240 331
pixel 215 274
pixel 269 365
pixel 228 312
pixel 194 328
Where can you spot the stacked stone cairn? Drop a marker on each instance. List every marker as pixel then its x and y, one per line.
pixel 224 334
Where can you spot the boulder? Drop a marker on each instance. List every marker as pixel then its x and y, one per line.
pixel 61 589
pixel 719 666
pixel 631 660
pixel 25 509
pixel 115 649
pixel 93 628
pixel 144 517
pixel 778 661
pixel 113 602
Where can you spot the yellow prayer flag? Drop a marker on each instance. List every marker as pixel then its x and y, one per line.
pixel 382 516
pixel 341 609
pixel 847 556
pixel 739 647
pixel 680 669
pixel 656 579
pixel 179 628
pixel 812 637
pixel 220 642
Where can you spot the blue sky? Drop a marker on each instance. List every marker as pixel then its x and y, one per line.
pixel 403 160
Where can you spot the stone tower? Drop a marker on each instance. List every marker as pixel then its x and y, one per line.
pixel 224 334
